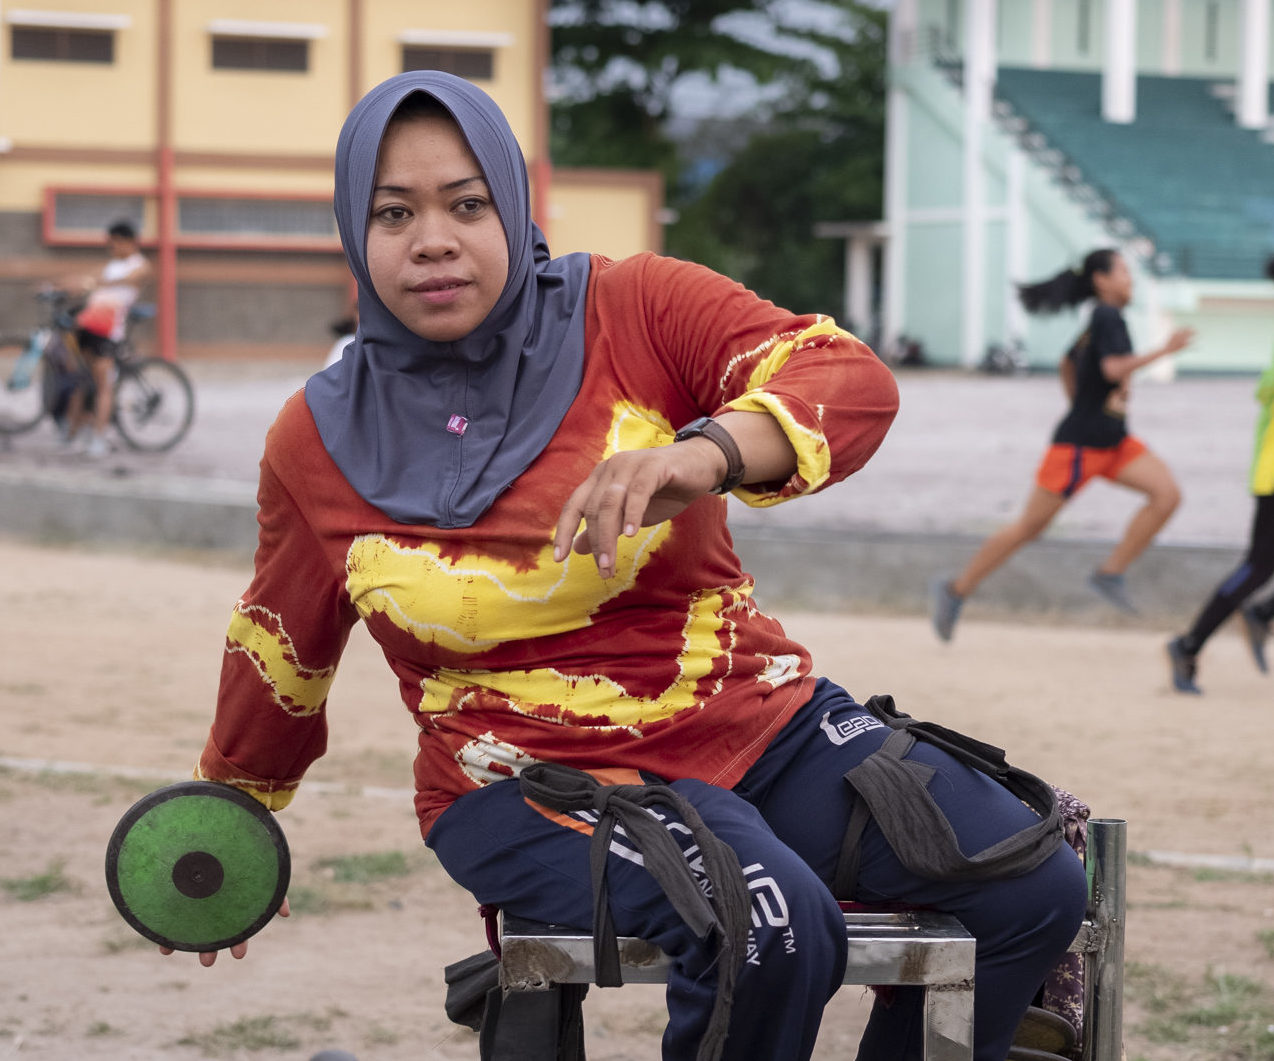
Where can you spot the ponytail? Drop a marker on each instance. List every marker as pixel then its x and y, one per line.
pixel 1068 288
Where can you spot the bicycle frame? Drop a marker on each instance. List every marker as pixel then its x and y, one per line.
pixel 24 368
pixel 51 363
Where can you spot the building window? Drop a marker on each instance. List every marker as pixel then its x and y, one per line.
pixel 465 53
pixel 89 212
pixel 61 45
pixel 79 216
pixel 255 219
pixel 260 53
pixel 473 64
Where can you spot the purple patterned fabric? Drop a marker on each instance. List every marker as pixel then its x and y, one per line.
pixel 1064 987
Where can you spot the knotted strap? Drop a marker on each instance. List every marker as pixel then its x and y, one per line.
pixel 894 790
pixel 725 910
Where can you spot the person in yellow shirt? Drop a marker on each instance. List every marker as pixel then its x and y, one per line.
pixel 1257 566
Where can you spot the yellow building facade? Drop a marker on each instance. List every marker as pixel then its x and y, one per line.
pixel 211 125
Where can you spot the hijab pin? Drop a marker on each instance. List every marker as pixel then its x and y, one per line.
pixel 457 424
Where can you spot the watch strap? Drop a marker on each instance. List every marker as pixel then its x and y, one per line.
pixel 706 427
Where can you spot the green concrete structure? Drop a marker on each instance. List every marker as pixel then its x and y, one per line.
pixel 1023 133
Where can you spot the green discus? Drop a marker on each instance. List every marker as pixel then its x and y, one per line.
pixel 197 866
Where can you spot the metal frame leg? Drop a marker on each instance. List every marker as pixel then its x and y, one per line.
pixel 1105 863
pixel 949 1022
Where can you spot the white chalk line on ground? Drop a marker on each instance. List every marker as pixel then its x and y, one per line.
pixel 1176 859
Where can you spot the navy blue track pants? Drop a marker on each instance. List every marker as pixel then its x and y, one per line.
pixel 1256 569
pixel 785 821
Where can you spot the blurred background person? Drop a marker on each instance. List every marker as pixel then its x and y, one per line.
pixel 1257 566
pixel 99 326
pixel 1091 440
pixel 343 331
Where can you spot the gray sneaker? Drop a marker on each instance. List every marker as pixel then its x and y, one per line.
pixel 1113 590
pixel 1257 631
pixel 1184 667
pixel 946 607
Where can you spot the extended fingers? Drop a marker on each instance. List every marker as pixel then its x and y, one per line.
pixel 613 500
pixel 569 519
pixel 603 512
pixel 208 958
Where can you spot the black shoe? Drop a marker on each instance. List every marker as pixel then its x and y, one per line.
pixel 1183 667
pixel 1258 632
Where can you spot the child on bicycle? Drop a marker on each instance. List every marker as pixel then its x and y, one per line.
pixel 98 327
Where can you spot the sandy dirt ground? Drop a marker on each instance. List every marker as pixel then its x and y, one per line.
pixel 109 662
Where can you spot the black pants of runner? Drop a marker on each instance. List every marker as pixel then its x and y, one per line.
pixel 785 820
pixel 1256 569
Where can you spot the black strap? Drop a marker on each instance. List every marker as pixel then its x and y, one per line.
pixel 894 791
pixel 468 982
pixel 851 851
pixel 533 1025
pixel 727 911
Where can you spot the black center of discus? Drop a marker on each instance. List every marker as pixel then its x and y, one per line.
pixel 198 874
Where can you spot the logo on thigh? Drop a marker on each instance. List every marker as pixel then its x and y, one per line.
pixel 847 729
pixel 769 913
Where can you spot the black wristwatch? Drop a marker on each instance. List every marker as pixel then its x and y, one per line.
pixel 706 427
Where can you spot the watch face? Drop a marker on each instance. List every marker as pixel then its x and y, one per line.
pixel 695 427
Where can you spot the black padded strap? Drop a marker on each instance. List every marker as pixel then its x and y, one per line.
pixel 894 791
pixel 727 911
pixel 606 965
pixel 851 851
pixel 533 1025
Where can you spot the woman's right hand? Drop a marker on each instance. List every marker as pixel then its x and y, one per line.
pixel 631 489
pixel 207 958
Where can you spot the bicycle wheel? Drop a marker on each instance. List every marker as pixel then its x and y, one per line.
pixel 154 403
pixel 22 387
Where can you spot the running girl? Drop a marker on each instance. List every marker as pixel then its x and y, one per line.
pixel 1091 440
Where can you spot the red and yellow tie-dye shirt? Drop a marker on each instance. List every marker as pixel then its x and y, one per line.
pixel 504 656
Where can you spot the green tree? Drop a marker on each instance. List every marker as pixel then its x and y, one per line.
pixel 820 157
pixel 811 149
pixel 615 64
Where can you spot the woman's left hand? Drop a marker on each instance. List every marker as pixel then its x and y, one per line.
pixel 636 488
pixel 208 958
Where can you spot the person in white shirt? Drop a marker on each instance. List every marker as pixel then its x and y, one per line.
pixel 100 325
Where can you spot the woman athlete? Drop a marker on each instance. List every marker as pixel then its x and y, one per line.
pixel 513 479
pixel 1091 440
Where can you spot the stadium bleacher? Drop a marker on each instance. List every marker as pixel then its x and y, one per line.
pixel 1184 174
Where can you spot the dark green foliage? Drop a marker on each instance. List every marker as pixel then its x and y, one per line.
pixel 812 152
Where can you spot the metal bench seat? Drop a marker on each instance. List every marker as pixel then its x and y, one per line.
pixel 912 948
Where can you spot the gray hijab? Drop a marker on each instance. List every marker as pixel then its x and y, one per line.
pixel 433 432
